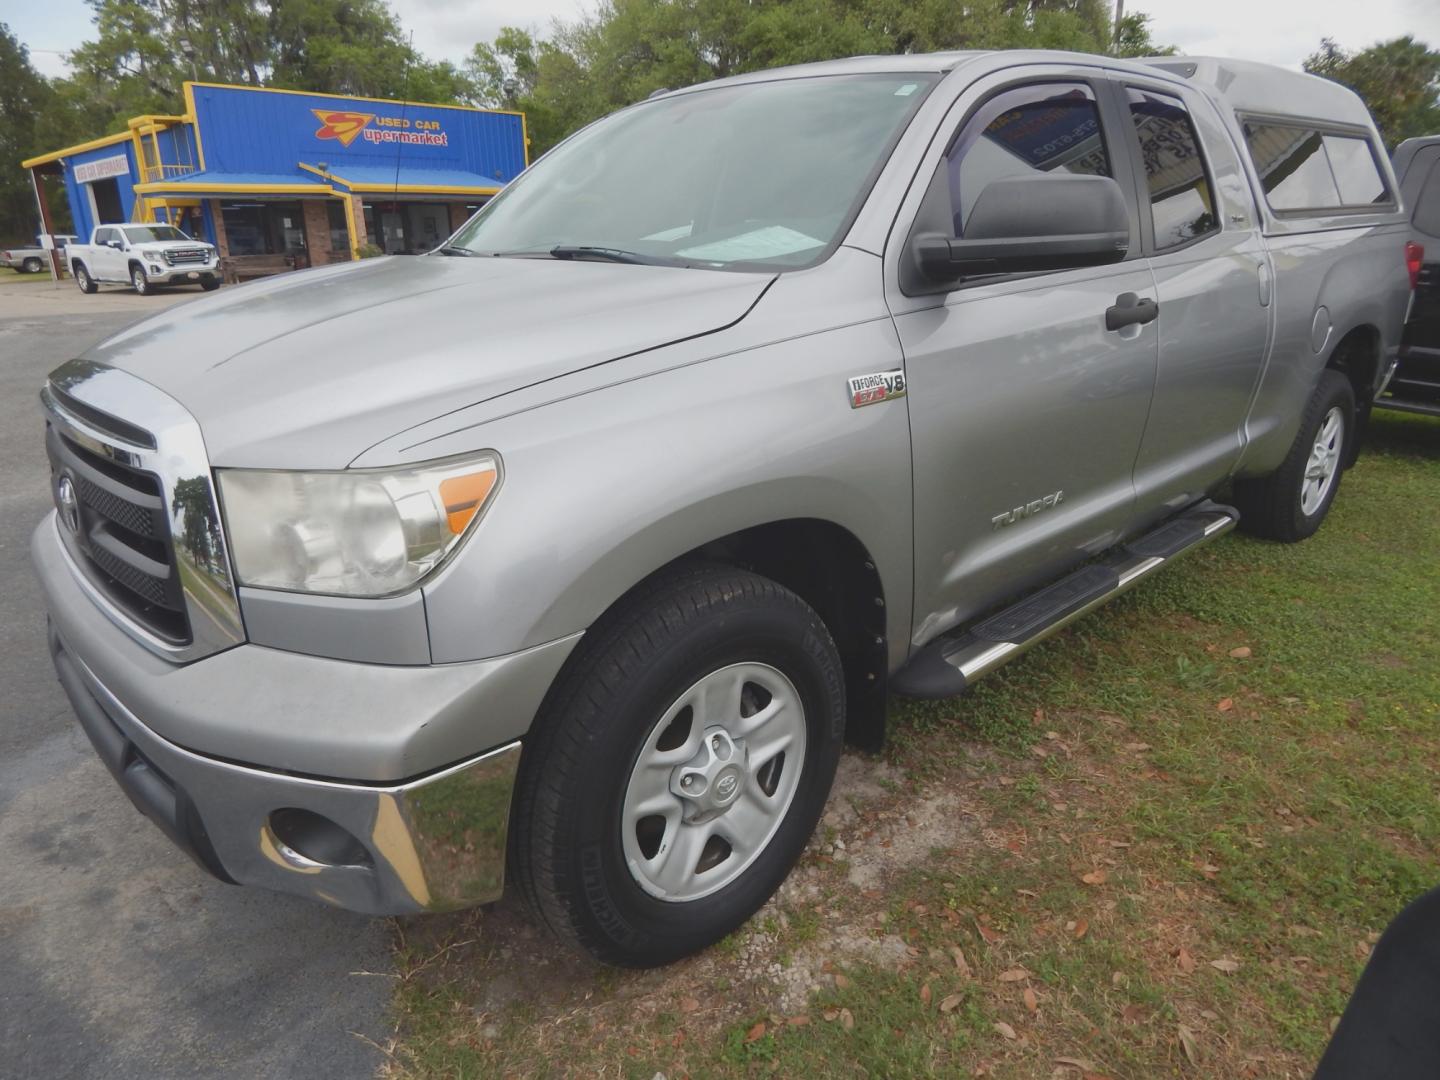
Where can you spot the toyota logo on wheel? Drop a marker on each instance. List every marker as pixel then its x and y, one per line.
pixel 67 503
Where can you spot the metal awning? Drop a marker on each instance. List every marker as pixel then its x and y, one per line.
pixel 404 180
pixel 212 184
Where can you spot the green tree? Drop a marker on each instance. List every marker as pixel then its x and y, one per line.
pixel 1399 80
pixel 627 49
pixel 24 93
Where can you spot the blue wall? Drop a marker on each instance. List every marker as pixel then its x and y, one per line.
pixel 269 132
pixel 79 198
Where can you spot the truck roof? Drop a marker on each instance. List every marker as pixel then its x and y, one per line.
pixel 1244 85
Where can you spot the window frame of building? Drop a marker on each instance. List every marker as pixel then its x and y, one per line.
pixel 1317 131
pixel 267 228
pixel 1206 181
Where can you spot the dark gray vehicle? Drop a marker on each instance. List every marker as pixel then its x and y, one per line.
pixel 581 545
pixel 1415 385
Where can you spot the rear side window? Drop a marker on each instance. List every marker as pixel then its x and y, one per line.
pixel 1048 127
pixel 1355 172
pixel 1427 203
pixel 1182 204
pixel 1303 168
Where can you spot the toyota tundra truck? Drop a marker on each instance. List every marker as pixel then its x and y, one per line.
pixel 144 257
pixel 567 557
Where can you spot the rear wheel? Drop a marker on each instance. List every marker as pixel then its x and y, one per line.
pixel 83 281
pixel 679 767
pixel 1291 502
pixel 33 266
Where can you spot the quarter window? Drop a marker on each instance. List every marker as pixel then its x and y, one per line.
pixel 1182 204
pixel 1355 171
pixel 1303 168
pixel 1030 129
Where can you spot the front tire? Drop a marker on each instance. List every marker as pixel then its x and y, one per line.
pixel 679 766
pixel 140 281
pixel 209 285
pixel 1290 503
pixel 83 281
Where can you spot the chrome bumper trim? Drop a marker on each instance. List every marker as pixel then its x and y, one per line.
pixel 436 843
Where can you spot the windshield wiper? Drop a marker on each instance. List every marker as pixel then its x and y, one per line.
pixel 458 252
pixel 605 254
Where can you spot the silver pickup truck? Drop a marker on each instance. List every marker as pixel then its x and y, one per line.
pixel 580 546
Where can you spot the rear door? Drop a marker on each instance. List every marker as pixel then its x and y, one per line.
pixel 1213 282
pixel 1026 413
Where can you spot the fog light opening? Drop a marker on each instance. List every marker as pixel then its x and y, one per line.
pixel 317 838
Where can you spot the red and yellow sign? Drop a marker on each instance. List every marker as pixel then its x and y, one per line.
pixel 340 125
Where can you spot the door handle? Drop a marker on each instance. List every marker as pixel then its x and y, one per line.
pixel 1130 310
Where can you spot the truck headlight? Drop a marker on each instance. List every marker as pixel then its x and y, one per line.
pixel 358 532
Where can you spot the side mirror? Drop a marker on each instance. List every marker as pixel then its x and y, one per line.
pixel 1027 223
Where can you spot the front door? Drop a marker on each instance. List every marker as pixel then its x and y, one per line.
pixel 1026 413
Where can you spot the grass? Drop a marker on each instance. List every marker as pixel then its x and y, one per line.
pixel 1162 844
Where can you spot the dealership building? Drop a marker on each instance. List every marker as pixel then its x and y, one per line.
pixel 312 178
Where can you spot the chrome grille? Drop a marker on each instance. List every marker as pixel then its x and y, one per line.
pixel 119 535
pixel 187 257
pixel 136 510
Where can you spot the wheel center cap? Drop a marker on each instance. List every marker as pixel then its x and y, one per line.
pixel 727 786
pixel 714 778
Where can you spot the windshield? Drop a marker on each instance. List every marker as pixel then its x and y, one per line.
pixel 750 176
pixel 150 234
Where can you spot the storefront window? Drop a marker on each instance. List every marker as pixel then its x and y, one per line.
pixel 264 228
pixel 412 228
pixel 339 228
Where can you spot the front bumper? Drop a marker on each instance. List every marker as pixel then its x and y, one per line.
pixel 433 844
pixel 384 789
pixel 181 275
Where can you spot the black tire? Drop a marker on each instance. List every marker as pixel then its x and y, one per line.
pixel 139 280
pixel 567 851
pixel 83 280
pixel 33 266
pixel 1271 506
pixel 209 285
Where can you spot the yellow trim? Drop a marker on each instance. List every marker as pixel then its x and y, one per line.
pixel 322 173
pixel 194 122
pixel 189 99
pixel 421 189
pixel 525 139
pixel 350 224
pixel 257 189
pixel 78 148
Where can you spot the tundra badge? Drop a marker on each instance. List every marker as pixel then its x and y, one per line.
pixel 875 388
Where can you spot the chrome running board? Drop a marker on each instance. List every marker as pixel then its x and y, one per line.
pixel 950 663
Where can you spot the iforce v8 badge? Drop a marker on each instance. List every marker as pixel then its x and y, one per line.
pixel 875 388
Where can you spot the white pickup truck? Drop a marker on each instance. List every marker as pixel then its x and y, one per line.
pixel 143 256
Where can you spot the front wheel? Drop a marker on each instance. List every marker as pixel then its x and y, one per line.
pixel 1290 503
pixel 679 767
pixel 209 284
pixel 139 280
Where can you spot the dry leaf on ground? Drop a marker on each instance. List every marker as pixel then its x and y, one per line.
pixel 1006 1030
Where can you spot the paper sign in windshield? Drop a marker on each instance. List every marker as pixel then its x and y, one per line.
pixel 770 242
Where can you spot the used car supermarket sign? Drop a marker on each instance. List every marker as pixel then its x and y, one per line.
pixel 118 165
pixel 344 126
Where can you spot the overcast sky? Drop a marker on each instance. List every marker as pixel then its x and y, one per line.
pixel 1277 31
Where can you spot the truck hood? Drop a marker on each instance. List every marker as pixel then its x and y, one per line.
pixel 309 370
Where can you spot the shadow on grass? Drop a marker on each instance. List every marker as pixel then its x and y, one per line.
pixel 1403 435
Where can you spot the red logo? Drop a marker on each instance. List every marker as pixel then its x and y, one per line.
pixel 343 126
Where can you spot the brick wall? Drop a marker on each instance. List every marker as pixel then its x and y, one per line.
pixel 317 231
pixel 221 241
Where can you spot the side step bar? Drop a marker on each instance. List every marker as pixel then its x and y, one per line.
pixel 950 663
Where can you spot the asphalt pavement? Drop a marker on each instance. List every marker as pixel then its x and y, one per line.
pixel 119 958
